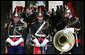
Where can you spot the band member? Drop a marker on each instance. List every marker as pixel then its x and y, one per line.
pixel 74 25
pixel 69 5
pixel 15 34
pixel 40 34
pixel 72 21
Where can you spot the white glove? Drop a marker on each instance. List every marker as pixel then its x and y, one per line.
pixel 10 41
pixel 66 46
pixel 19 41
pixel 69 30
pixel 44 42
pixel 36 42
pixel 22 20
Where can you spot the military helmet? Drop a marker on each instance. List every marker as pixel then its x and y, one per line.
pixel 67 11
pixel 16 14
pixel 40 14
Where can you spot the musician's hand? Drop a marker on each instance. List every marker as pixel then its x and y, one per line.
pixel 10 41
pixel 13 43
pixel 44 42
pixel 19 41
pixel 37 45
pixel 36 42
pixel 68 30
pixel 16 43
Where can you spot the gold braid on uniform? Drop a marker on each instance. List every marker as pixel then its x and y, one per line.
pixel 9 27
pixel 46 26
pixel 14 30
pixel 48 36
pixel 42 32
pixel 77 19
pixel 33 36
pixel 25 26
pixel 17 31
pixel 5 25
pixel 72 23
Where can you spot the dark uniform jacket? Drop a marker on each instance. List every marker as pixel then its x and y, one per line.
pixel 75 25
pixel 36 25
pixel 19 27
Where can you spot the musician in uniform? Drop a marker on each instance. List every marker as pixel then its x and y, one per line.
pixel 40 34
pixel 15 33
pixel 73 22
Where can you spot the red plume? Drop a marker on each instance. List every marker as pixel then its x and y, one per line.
pixel 69 4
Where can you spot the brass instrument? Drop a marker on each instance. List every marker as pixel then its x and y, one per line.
pixel 63 42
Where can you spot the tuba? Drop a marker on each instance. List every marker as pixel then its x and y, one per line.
pixel 63 42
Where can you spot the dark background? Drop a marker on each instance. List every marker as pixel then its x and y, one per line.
pixel 78 7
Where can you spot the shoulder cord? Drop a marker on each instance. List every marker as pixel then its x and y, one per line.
pixel 9 27
pixel 16 30
pixel 46 26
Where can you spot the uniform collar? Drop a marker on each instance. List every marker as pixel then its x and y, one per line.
pixel 41 21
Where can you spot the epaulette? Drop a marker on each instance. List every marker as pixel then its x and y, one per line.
pixel 25 25
pixel 5 25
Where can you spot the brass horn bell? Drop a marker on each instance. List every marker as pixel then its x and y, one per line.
pixel 63 42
